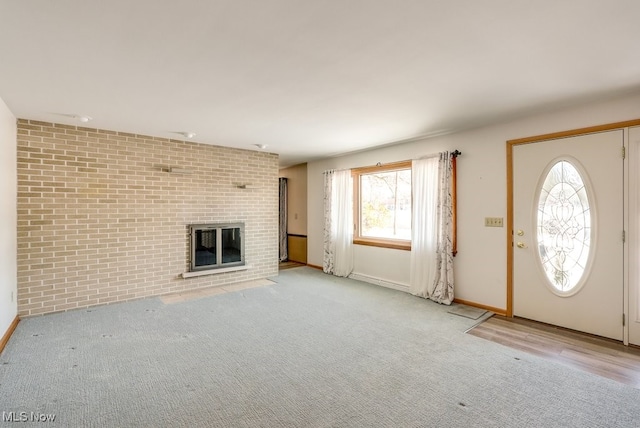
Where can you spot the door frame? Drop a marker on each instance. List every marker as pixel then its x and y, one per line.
pixel 509 229
pixel 633 232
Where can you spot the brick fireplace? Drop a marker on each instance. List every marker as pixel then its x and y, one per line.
pixel 102 218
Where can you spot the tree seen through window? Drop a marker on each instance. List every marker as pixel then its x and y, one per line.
pixel 385 204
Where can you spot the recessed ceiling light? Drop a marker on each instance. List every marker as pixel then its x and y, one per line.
pixel 187 134
pixel 261 146
pixel 78 117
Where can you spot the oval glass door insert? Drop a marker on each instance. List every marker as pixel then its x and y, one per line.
pixel 564 227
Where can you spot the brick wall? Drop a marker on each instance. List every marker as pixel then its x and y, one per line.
pixel 100 221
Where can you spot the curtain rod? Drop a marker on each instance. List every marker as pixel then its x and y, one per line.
pixel 454 154
pixel 336 170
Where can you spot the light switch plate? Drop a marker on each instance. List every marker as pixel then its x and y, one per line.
pixel 493 222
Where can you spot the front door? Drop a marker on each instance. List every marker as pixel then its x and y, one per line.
pixel 568 232
pixel 634 236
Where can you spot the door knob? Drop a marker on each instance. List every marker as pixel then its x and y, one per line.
pixel 521 245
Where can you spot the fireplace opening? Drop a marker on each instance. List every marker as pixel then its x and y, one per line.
pixel 215 246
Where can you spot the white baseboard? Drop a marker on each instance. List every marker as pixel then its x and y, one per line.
pixel 379 281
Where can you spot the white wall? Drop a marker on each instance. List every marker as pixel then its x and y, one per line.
pixel 297 198
pixel 8 219
pixel 480 266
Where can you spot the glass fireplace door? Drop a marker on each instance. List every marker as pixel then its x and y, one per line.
pixel 215 246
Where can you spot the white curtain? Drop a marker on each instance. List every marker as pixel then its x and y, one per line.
pixel 431 273
pixel 338 223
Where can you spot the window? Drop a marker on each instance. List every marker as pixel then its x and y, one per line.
pixel 383 205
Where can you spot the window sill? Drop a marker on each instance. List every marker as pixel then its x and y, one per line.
pixel 396 245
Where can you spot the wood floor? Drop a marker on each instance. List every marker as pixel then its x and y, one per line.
pixel 289 264
pixel 592 354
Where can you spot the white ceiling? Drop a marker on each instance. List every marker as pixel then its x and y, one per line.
pixel 311 78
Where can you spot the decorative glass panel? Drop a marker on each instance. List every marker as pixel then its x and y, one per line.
pixel 564 226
